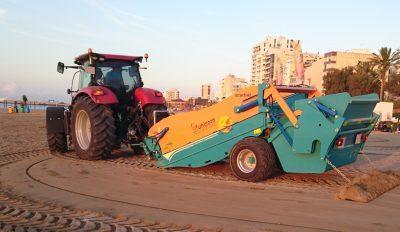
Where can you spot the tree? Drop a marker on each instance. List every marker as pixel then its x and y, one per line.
pixel 383 61
pixel 363 80
pixel 393 85
pixel 358 80
pixel 335 81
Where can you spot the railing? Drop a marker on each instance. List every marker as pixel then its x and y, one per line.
pixel 33 105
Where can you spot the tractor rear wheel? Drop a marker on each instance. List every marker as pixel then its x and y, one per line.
pixel 149 113
pixel 57 142
pixel 93 129
pixel 253 159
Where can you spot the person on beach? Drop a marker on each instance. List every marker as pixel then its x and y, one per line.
pixel 15 107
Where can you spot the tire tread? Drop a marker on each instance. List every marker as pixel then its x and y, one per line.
pixel 266 159
pixel 57 142
pixel 103 130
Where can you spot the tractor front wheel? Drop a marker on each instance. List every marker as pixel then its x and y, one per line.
pixel 253 159
pixel 93 129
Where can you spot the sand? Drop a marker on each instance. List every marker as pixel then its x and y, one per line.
pixel 366 187
pixel 292 203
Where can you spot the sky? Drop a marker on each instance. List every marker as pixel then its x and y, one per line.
pixel 189 43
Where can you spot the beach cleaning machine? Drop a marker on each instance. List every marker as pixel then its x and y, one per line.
pixel 263 128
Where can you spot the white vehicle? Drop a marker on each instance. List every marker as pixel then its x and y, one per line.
pixel 385 110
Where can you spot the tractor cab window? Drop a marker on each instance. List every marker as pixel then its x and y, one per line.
pixel 122 77
pixel 131 77
pixel 84 78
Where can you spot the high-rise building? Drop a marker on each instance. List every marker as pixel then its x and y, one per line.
pixel 279 60
pixel 172 94
pixel 229 85
pixel 206 91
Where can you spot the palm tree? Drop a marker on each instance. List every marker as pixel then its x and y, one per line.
pixel 383 61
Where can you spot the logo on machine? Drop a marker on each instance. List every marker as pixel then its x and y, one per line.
pixel 242 94
pixel 202 126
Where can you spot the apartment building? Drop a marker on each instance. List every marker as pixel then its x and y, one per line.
pixel 317 66
pixel 339 60
pixel 206 91
pixel 172 94
pixel 229 85
pixel 278 60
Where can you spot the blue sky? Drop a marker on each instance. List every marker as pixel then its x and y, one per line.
pixel 189 42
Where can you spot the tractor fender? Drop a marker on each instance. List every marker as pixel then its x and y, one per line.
pixel 99 95
pixel 149 96
pixel 55 119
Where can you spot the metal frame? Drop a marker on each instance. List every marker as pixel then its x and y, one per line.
pixel 302 137
pixel 155 115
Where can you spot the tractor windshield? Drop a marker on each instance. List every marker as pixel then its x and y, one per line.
pixel 120 76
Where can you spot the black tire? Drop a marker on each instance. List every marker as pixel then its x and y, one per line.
pixel 149 113
pixel 102 129
pixel 265 159
pixel 57 143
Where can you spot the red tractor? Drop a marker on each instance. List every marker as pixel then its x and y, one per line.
pixel 110 107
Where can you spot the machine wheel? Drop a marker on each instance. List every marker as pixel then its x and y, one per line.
pixel 253 159
pixel 93 129
pixel 149 113
pixel 57 142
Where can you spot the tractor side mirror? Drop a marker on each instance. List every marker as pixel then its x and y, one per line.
pixel 60 67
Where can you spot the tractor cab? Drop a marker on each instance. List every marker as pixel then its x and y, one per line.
pixel 118 73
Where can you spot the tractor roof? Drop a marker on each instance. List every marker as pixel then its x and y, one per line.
pixel 107 57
